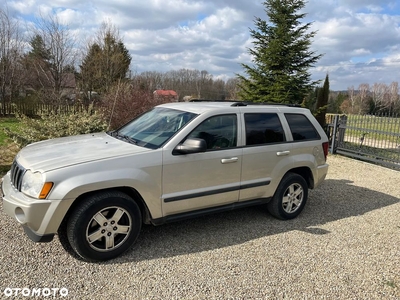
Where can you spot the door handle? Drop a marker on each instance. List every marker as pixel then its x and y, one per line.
pixel 282 153
pixel 229 160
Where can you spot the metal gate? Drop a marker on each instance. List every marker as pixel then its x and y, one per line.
pixel 373 138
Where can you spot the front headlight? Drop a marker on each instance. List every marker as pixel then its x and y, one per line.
pixel 33 185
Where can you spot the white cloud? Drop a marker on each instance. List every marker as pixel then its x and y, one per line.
pixel 360 39
pixel 23 7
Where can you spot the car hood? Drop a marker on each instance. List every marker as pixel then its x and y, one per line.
pixel 62 152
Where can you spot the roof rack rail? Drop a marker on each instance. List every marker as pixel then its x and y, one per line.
pixel 210 100
pixel 273 103
pixel 246 103
pixel 239 103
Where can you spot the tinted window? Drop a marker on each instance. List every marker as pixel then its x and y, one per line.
pixel 263 128
pixel 301 127
pixel 218 132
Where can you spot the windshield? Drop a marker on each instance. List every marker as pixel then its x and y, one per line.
pixel 154 128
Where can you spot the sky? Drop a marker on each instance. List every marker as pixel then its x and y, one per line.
pixel 359 39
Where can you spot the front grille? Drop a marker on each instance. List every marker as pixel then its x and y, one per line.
pixel 17 172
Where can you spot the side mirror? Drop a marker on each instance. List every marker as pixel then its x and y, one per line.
pixel 191 146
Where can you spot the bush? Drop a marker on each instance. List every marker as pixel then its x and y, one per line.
pixel 124 102
pixel 51 125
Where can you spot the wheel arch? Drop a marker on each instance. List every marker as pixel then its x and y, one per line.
pixel 306 173
pixel 131 192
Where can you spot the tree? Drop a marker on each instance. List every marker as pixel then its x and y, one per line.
pixel 310 100
pixel 232 88
pixel 363 96
pixel 38 49
pixel 379 90
pixel 352 99
pixel 52 54
pixel 106 62
pixel 11 45
pixel 322 102
pixel 393 97
pixel 281 55
pixel 37 64
pixel 124 102
pixel 336 100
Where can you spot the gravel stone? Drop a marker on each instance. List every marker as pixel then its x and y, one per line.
pixel 344 245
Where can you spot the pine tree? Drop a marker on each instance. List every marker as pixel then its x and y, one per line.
pixel 322 102
pixel 106 62
pixel 310 100
pixel 281 55
pixel 39 50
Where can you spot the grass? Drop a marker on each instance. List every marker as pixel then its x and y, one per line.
pixel 391 154
pixel 8 149
pixel 377 128
pixel 380 128
pixel 13 124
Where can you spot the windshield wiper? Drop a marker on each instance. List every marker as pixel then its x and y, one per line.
pixel 113 133
pixel 129 139
pixel 123 137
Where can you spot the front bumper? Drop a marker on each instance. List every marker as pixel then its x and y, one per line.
pixel 39 218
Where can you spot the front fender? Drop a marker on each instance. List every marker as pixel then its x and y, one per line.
pixel 140 173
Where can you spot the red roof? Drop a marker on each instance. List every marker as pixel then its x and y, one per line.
pixel 165 93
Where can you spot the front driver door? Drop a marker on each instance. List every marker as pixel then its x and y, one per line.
pixel 207 179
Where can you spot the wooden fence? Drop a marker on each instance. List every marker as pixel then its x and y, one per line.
pixel 36 109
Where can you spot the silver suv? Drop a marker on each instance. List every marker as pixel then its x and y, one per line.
pixel 176 161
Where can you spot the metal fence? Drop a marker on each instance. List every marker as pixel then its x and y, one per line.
pixel 373 138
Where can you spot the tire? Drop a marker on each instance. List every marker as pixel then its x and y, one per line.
pixel 63 238
pixel 290 197
pixel 103 226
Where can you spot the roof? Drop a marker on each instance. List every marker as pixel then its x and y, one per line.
pixel 201 107
pixel 68 80
pixel 166 93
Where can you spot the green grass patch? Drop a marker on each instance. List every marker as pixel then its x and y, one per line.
pixel 11 123
pixel 8 149
pixel 380 128
pixel 377 128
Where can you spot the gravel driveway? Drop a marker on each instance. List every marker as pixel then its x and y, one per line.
pixel 345 245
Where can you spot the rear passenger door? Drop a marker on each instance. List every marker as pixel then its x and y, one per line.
pixel 265 151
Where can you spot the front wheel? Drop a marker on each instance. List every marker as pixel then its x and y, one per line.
pixel 290 197
pixel 104 226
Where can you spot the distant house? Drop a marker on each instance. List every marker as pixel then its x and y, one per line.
pixel 68 86
pixel 166 95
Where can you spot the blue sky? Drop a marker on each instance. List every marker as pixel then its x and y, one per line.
pixel 360 39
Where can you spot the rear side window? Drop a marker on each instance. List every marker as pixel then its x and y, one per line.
pixel 263 128
pixel 301 127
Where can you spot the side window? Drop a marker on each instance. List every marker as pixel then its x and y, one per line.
pixel 263 128
pixel 218 132
pixel 301 127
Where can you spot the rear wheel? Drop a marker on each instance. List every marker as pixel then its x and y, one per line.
pixel 104 226
pixel 290 197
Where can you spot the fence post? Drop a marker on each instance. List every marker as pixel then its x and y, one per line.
pixel 342 129
pixel 333 137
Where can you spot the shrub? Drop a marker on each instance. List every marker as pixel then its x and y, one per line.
pixel 124 102
pixel 53 125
